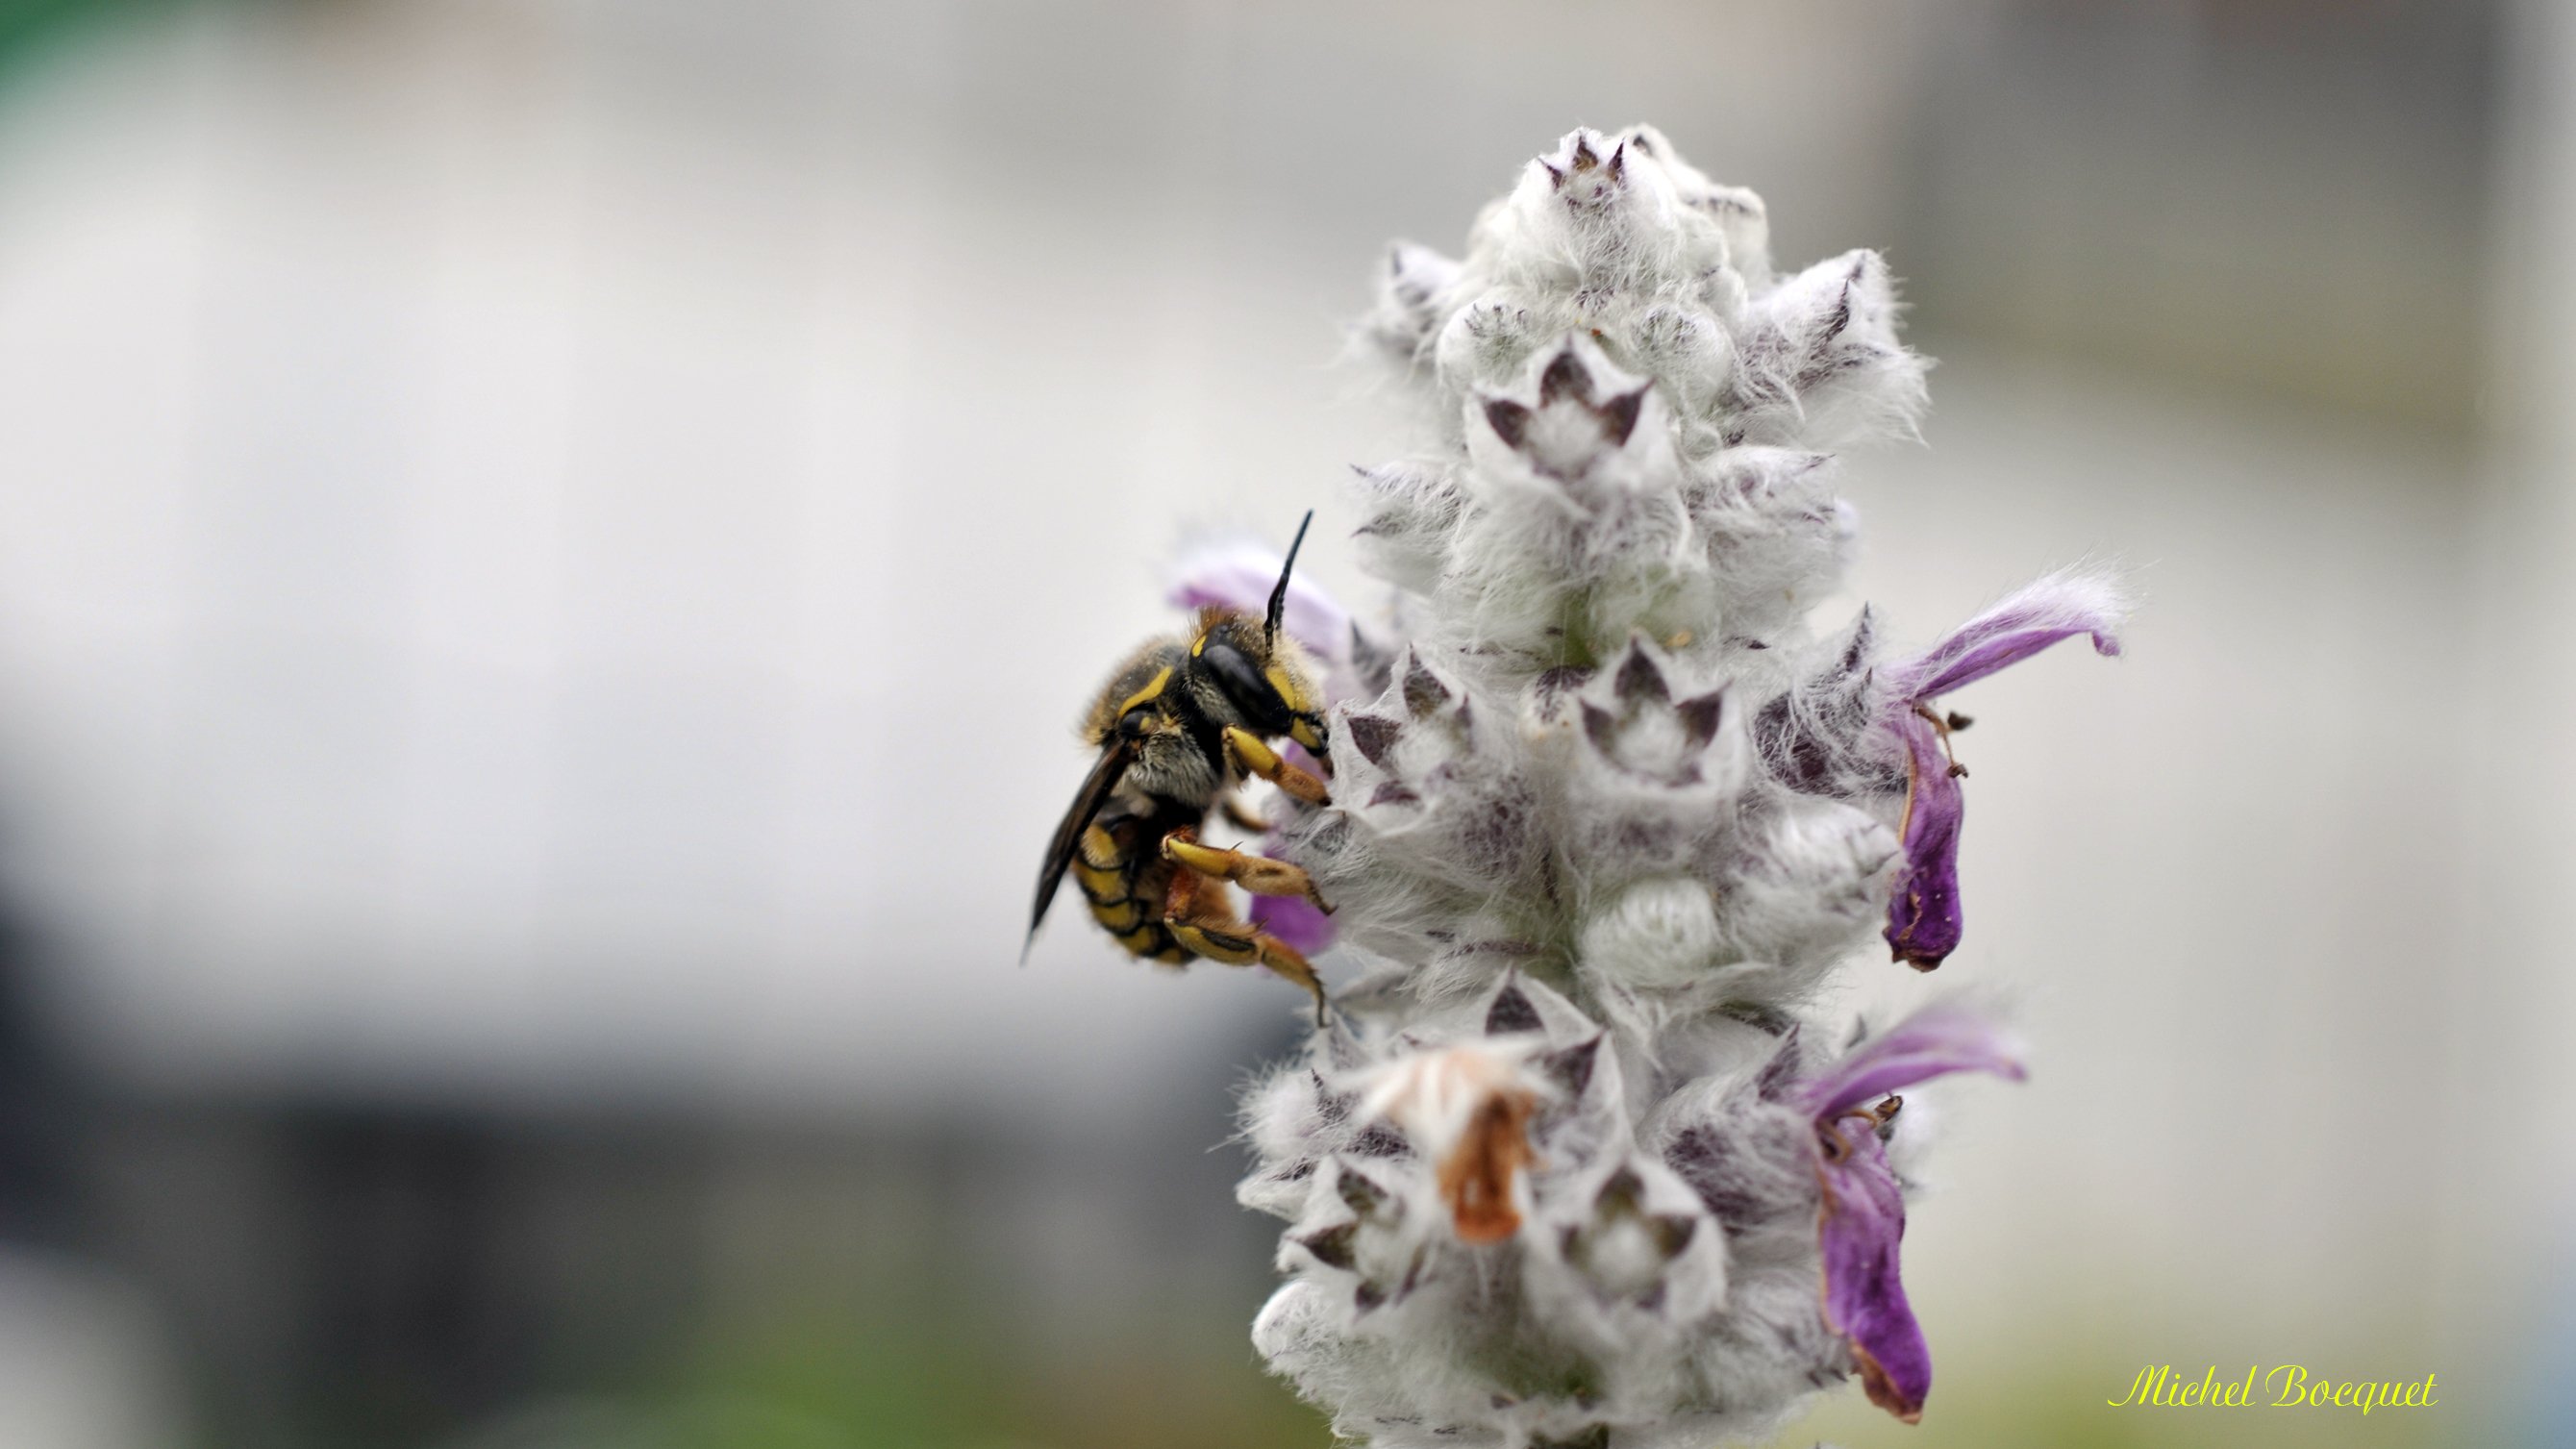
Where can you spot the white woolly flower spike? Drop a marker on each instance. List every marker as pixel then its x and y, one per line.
pixel 1574 1165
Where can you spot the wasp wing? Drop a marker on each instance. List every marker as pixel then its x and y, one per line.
pixel 1087 802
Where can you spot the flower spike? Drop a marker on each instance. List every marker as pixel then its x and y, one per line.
pixel 1568 1166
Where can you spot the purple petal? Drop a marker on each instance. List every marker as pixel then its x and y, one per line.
pixel 2060 606
pixel 1923 916
pixel 1861 1213
pixel 1858 1224
pixel 1295 921
pixel 1240 576
pixel 1933 1042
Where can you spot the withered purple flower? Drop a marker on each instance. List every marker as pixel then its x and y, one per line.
pixel 1924 921
pixel 1861 1212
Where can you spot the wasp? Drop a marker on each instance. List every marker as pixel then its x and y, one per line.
pixel 1181 723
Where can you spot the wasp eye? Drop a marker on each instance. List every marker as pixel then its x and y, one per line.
pixel 1261 706
pixel 1135 722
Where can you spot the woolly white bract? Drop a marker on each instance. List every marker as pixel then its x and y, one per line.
pixel 1565 1169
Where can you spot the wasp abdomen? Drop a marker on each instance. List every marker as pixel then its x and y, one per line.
pixel 1123 876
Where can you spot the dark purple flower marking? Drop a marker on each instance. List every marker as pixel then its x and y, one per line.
pixel 1860 1217
pixel 1923 916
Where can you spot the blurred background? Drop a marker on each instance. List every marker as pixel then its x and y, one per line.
pixel 548 552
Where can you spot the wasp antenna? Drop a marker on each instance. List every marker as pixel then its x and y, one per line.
pixel 1279 591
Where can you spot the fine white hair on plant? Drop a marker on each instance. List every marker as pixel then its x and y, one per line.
pixel 1577 1162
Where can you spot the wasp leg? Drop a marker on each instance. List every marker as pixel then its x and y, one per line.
pixel 1258 874
pixel 1255 758
pixel 1198 915
pixel 1242 817
pixel 1283 960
